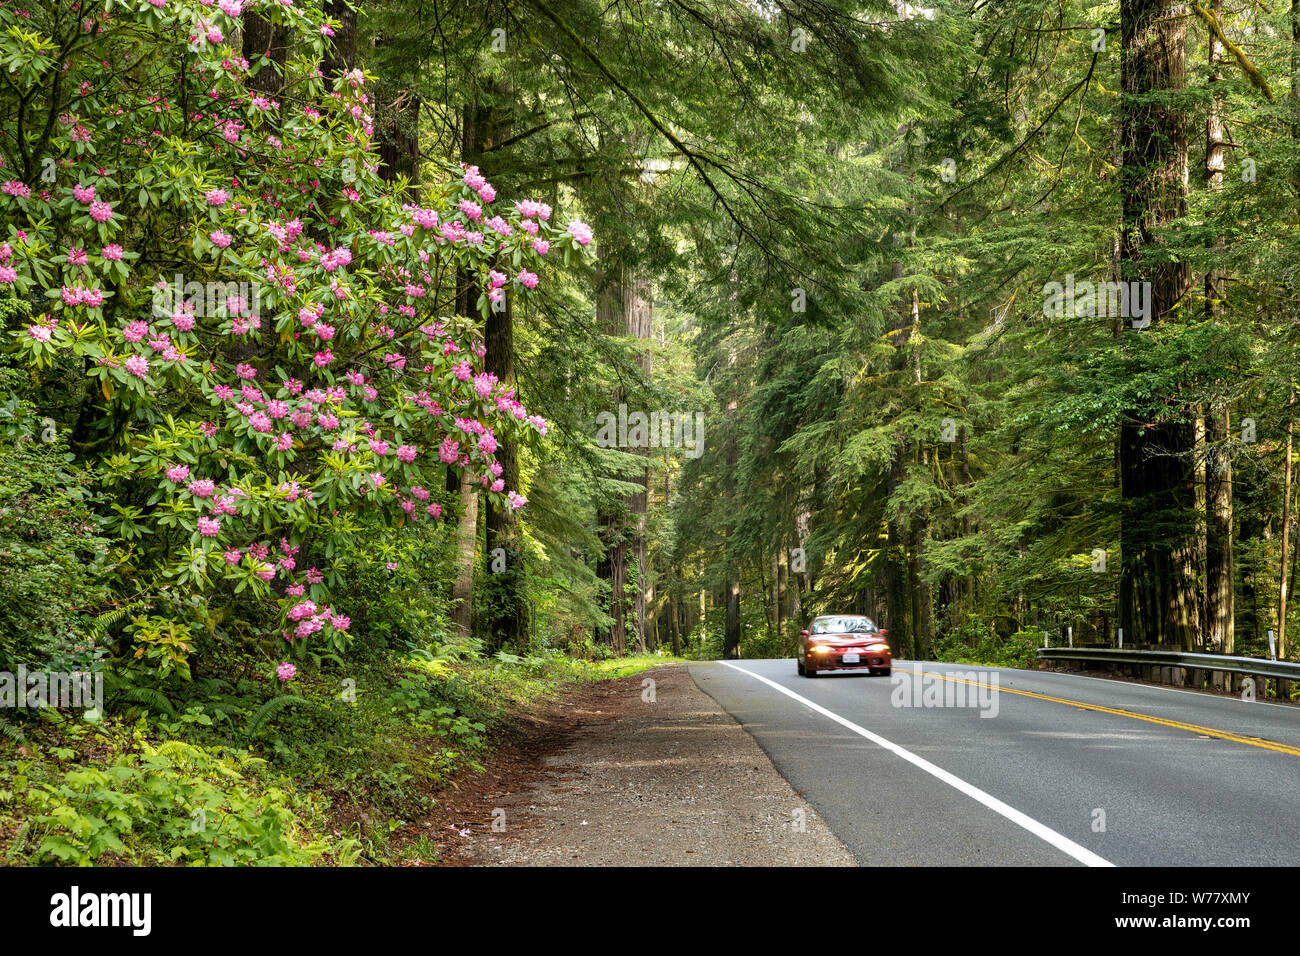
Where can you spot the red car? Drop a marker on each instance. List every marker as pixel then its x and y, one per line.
pixel 843 642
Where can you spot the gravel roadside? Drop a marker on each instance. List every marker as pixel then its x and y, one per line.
pixel 653 774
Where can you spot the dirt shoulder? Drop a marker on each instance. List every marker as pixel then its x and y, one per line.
pixel 614 775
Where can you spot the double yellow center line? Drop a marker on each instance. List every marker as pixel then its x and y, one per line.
pixel 1176 724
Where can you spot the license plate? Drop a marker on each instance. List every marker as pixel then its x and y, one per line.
pixel 850 658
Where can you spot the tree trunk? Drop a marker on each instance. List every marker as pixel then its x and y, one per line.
pixel 341 53
pixel 508 626
pixel 611 301
pixel 638 309
pixel 482 128
pixel 1219 592
pixel 1219 595
pixel 731 631
pixel 462 593
pixel 1286 540
pixel 1158 592
pixel 399 141
pixel 260 39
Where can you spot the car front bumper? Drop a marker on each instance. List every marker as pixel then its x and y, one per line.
pixel 834 661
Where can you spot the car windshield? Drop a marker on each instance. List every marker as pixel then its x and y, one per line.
pixel 843 625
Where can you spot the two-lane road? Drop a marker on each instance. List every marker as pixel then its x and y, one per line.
pixel 1062 770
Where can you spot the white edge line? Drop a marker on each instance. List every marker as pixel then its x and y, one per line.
pixel 1042 831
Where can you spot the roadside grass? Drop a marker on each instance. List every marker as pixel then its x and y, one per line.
pixel 321 771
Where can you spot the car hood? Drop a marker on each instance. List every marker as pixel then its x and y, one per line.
pixel 838 639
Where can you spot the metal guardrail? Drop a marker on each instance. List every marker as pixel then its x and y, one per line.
pixel 1260 667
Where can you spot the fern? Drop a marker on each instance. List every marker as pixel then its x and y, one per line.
pixel 225 707
pixel 13 733
pixel 106 620
pixel 155 700
pixel 271 708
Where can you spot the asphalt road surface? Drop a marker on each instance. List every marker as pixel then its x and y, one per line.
pixel 1061 770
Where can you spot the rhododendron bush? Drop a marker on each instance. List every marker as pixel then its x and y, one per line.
pixel 269 327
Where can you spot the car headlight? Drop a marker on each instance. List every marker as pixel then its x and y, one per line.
pixel 878 648
pixel 822 649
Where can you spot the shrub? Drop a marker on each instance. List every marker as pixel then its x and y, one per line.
pixel 174 803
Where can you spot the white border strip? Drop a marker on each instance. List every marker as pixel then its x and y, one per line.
pixel 1043 832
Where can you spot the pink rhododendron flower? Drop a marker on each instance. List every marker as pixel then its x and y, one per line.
pixel 135 331
pixel 341 256
pixel 201 487
pixel 580 231
pixel 138 366
pixel 209 527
